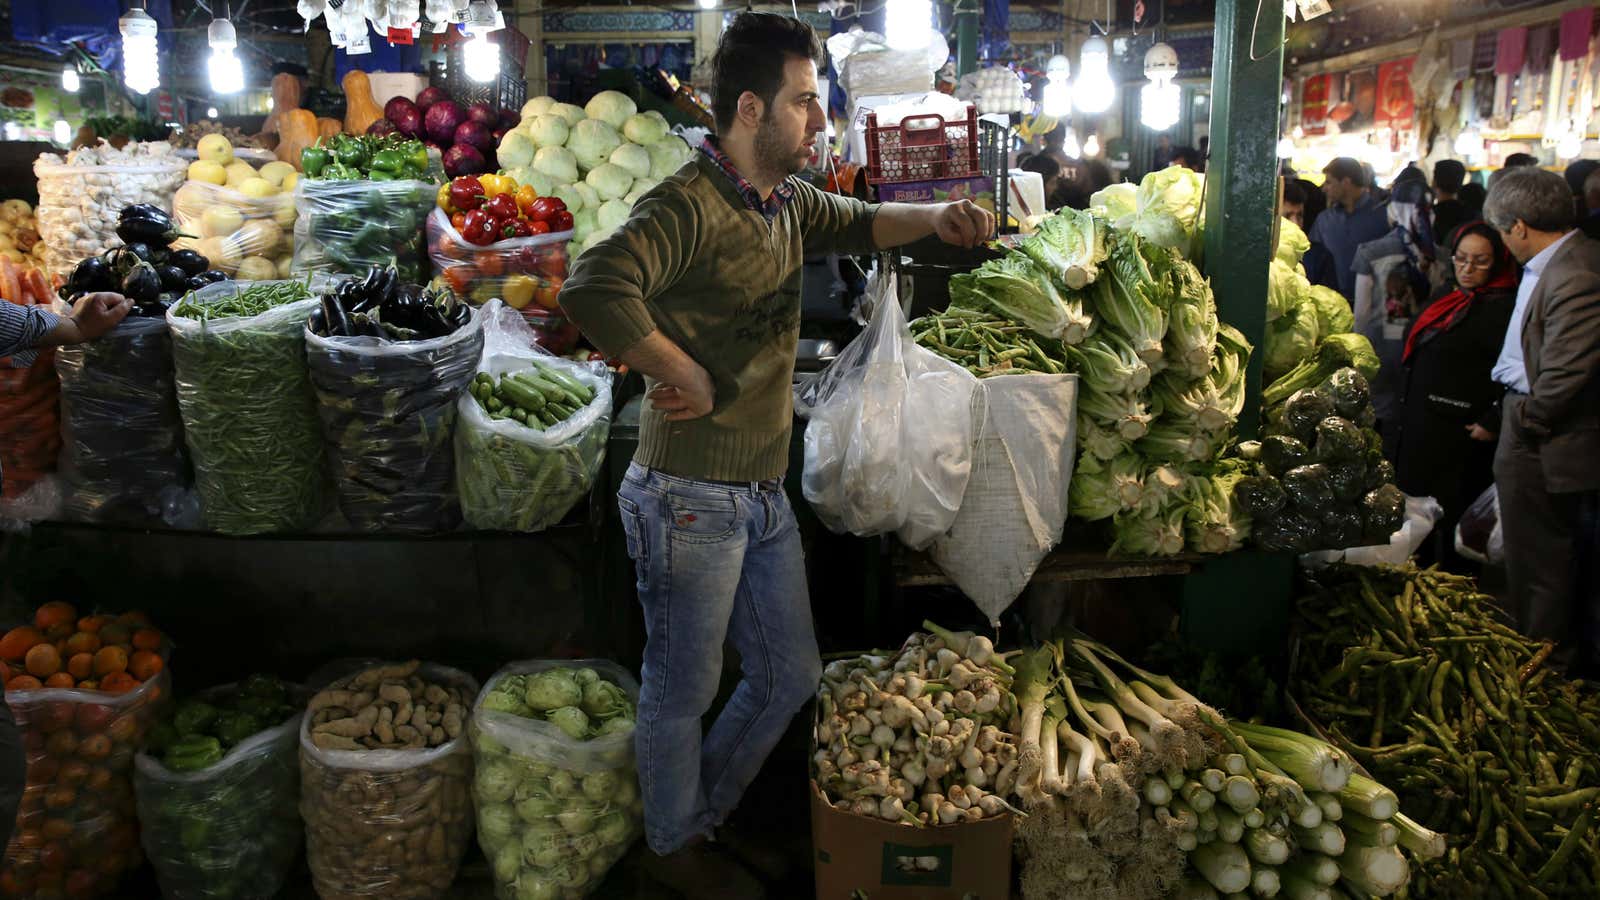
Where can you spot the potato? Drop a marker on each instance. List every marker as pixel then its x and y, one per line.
pixel 208 172
pixel 220 221
pixel 257 268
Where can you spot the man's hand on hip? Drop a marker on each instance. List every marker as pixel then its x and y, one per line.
pixel 963 223
pixel 690 400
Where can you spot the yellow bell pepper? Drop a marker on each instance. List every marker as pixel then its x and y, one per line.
pixel 495 185
pixel 443 199
pixel 517 291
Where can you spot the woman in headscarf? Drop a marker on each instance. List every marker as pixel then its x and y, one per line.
pixel 1408 243
pixel 1448 401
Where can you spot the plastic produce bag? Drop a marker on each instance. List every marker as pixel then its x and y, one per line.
pixel 124 455
pixel 388 410
pixel 1016 504
pixel 1478 533
pixel 1420 516
pixel 231 829
pixel 250 238
pixel 872 464
pixel 554 813
pixel 515 478
pixel 250 415
pixel 519 271
pixel 76 830
pixel 387 823
pixel 30 423
pixel 347 227
pixel 79 204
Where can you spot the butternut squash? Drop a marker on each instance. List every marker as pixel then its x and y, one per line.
pixel 327 127
pixel 286 95
pixel 360 109
pixel 297 130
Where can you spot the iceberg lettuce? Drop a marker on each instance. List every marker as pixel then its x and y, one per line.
pixel 1292 243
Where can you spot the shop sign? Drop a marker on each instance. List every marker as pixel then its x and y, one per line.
pixel 1397 107
pixel 1314 105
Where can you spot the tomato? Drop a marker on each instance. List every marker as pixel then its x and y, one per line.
pixel 548 295
pixel 545 208
pixel 56 829
pixel 460 278
pixel 92 718
pixel 72 773
pixel 502 206
pixel 124 730
pixel 52 717
pixel 466 193
pixel 458 221
pixel 59 797
pixel 561 221
pixel 62 744
pixel 552 265
pixel 539 227
pixel 95 747
pixel 491 263
pixel 100 780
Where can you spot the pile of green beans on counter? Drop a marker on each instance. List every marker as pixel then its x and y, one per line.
pixel 986 344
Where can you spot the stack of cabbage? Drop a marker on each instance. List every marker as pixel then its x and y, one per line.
pixel 1298 313
pixel 598 159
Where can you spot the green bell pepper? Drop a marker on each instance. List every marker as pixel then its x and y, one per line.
pixel 160 736
pixel 390 161
pixel 313 160
pixel 233 727
pixel 352 154
pixel 192 753
pixel 193 717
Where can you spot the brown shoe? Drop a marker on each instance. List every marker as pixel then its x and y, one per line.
pixel 702 871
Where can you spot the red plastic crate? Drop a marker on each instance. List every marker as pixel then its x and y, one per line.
pixel 922 148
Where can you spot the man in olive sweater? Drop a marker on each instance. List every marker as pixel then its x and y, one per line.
pixel 700 292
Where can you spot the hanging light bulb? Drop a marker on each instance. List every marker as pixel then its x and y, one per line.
pixel 1069 144
pixel 708 4
pixel 481 58
pixel 141 61
pixel 211 112
pixel 62 132
pixel 227 72
pixel 1091 147
pixel 1055 98
pixel 69 79
pixel 1571 143
pixel 906 24
pixel 1160 101
pixel 1094 89
pixel 1469 143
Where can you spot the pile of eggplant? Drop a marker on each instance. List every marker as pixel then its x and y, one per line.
pixel 145 269
pixel 380 306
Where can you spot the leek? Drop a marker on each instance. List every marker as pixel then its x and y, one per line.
pixel 1377 832
pixel 1296 887
pixel 1224 865
pixel 1230 825
pixel 1369 798
pixel 1265 847
pixel 1264 881
pixel 1316 765
pixel 1325 838
pixel 1419 840
pixel 1331 810
pixel 1378 871
pixel 1313 867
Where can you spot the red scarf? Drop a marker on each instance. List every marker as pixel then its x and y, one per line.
pixel 1444 312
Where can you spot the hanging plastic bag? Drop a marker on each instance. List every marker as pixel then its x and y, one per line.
pixel 231 829
pixel 515 478
pixel 123 438
pixel 872 466
pixel 249 413
pixel 1016 503
pixel 347 227
pixel 249 237
pixel 78 811
pixel 1478 533
pixel 388 410
pixel 554 813
pixel 389 823
pixel 1421 514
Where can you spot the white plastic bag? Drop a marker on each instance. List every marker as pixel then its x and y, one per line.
pixel 1478 534
pixel 1016 503
pixel 512 477
pixel 873 464
pixel 553 811
pixel 1421 515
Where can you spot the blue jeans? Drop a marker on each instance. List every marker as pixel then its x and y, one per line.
pixel 715 561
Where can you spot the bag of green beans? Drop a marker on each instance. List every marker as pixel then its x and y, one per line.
pixel 249 413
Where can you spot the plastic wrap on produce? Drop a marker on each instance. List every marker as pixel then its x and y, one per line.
pixel 873 462
pixel 79 204
pixel 1421 514
pixel 250 238
pixel 347 227
pixel 515 478
pixel 390 824
pixel 30 424
pixel 123 454
pixel 1016 503
pixel 229 830
pixel 388 411
pixel 518 271
pixel 554 813
pixel 78 813
pixel 250 414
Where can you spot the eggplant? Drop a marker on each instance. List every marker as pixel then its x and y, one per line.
pixel 153 231
pixel 145 211
pixel 190 261
pixel 338 323
pixel 90 275
pixel 172 278
pixel 142 284
pixel 209 276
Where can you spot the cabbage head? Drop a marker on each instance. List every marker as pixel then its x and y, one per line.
pixel 553 689
pixel 1290 341
pixel 1116 201
pixel 612 107
pixel 592 142
pixel 1169 209
pixel 1292 243
pixel 1287 289
pixel 633 159
pixel 644 129
pixel 1333 311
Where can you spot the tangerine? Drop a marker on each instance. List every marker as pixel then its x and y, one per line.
pixel 24 683
pixel 18 641
pixel 109 660
pixel 60 680
pixel 43 661
pixel 81 665
pixel 147 639
pixel 54 613
pixel 91 624
pixel 145 665
pixel 82 642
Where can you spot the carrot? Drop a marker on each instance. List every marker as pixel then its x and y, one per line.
pixel 33 282
pixel 10 289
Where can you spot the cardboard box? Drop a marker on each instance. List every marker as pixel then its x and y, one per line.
pixel 978 189
pixel 885 861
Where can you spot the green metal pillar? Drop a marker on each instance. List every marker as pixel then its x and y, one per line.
pixel 1240 603
pixel 966 16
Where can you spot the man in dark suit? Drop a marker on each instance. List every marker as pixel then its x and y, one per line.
pixel 1547 464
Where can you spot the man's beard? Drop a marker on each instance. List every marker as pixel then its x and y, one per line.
pixel 772 156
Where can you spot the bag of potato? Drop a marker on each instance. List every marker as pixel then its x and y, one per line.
pixel 245 226
pixel 385 782
pixel 556 789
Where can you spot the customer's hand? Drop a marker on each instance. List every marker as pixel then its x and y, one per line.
pixel 95 314
pixel 963 223
pixel 689 400
pixel 1480 433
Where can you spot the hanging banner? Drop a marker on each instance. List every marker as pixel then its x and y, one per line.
pixel 1314 105
pixel 1397 107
